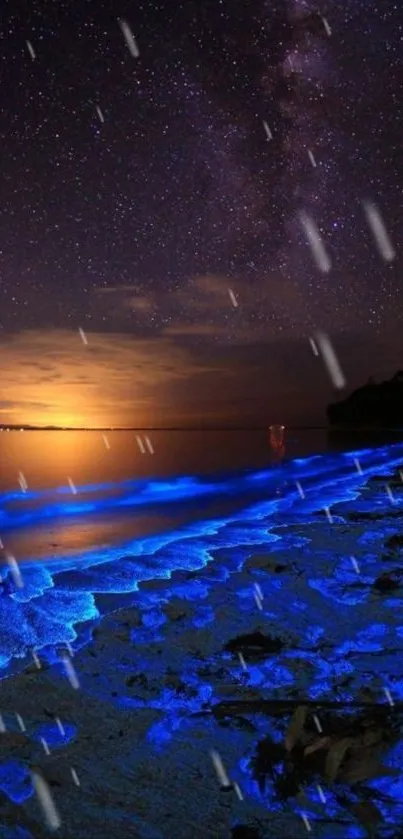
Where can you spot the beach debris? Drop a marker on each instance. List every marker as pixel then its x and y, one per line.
pixel 255 645
pixel 233 299
pixel 106 441
pixel 46 801
pixel 245 831
pixel 75 777
pixel 82 336
pixel 389 580
pixel 314 347
pixel 70 671
pixel 14 570
pixel 100 114
pixel 299 488
pixel 388 696
pixel 367 814
pixel 295 727
pixel 331 361
pixel 72 486
pixel 220 769
pixel 358 466
pixel 316 243
pixel 379 232
pixel 335 756
pixel 20 722
pixel 129 38
pixel 318 745
pixel 355 564
pixel 22 481
pixel 349 754
pixel 31 50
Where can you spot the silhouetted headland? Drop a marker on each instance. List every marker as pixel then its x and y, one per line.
pixel 376 407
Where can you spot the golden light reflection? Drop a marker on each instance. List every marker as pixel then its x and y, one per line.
pixel 52 379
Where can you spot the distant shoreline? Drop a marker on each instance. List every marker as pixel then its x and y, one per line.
pixel 264 427
pixel 149 429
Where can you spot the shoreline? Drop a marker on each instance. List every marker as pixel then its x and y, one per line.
pixel 141 727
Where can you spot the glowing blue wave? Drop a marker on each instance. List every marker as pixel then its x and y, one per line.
pixel 59 595
pixel 18 509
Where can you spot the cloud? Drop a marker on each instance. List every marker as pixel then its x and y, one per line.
pixel 195 330
pixel 115 379
pixel 204 308
pixel 187 373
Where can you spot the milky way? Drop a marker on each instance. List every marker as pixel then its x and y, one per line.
pixel 129 174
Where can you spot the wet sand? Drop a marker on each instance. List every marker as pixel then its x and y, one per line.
pixel 162 684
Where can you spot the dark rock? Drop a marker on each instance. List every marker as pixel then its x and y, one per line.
pixel 267 755
pixel 389 581
pixel 13 740
pixel 177 610
pixel 243 831
pixel 254 645
pixel 394 542
pixel 371 406
pixel 138 679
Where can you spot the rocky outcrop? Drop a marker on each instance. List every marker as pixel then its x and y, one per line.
pixel 371 406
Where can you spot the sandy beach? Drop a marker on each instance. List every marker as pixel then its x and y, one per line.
pixel 281 654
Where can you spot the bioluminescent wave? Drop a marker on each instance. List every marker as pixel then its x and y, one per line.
pixel 313 556
pixel 19 509
pixel 60 594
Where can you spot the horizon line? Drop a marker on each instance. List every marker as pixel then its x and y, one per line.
pixel 263 427
pixel 260 427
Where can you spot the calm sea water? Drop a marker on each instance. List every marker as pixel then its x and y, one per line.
pixel 47 458
pixel 86 490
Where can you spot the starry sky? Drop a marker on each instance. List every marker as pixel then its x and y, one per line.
pixel 200 187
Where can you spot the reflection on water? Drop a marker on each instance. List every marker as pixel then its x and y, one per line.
pixel 121 485
pixel 48 458
pixel 277 442
pixel 110 475
pixel 63 589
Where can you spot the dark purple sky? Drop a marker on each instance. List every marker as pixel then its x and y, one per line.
pixel 194 203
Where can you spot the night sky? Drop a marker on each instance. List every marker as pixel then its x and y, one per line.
pixel 191 183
